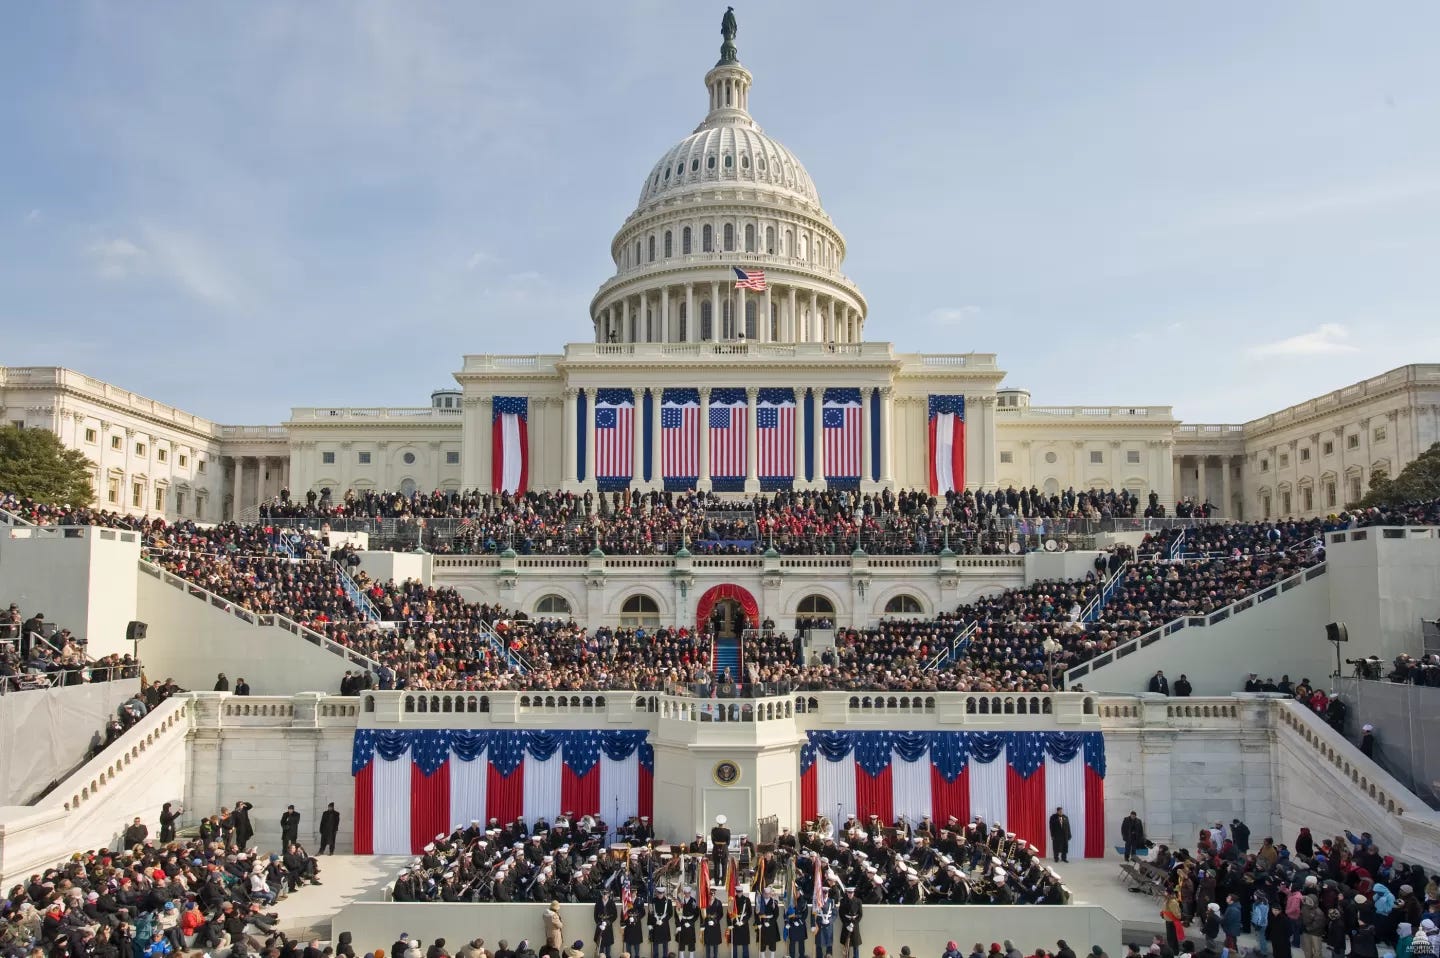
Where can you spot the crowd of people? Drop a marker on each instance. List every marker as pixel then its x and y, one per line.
pixel 1342 893
pixel 1016 640
pixel 148 898
pixel 33 655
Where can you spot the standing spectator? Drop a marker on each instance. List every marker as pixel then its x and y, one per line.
pixel 555 928
pixel 1182 686
pixel 168 817
pixel 1132 831
pixel 1060 835
pixel 1367 741
pixel 1158 683
pixel 1276 934
pixel 240 822
pixel 1240 832
pixel 1231 921
pixel 289 826
pixel 241 686
pixel 329 828
pixel 222 684
pixel 1211 927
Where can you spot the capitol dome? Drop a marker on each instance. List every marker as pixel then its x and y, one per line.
pixel 728 202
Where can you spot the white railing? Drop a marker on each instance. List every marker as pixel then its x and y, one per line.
pixel 948 653
pixel 356 594
pixel 1089 412
pixel 372 412
pixel 94 780
pixel 1191 621
pixel 254 432
pixel 257 618
pixel 8 518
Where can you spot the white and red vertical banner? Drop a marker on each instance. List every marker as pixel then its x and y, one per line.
pixel 947 444
pixel 614 436
pixel 413 785
pixel 840 420
pixel 1012 780
pixel 510 443
pixel 680 438
pixel 775 418
pixel 728 412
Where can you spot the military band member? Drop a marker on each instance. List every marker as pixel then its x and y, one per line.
pixel 605 916
pixel 797 928
pixel 767 922
pixel 634 928
pixel 661 912
pixel 850 913
pixel 743 914
pixel 687 921
pixel 825 923
pixel 719 846
pixel 714 922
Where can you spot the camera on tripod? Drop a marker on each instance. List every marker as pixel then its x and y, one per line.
pixel 1368 668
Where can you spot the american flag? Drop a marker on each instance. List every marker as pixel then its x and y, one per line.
pixel 841 421
pixel 614 433
pixel 727 433
pixel 680 434
pixel 1025 753
pixel 775 433
pixel 750 279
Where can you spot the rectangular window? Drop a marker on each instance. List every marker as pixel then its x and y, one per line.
pixel 112 491
pixel 1355 489
pixel 1284 460
pixel 1264 465
pixel 1132 457
pixel 327 458
pixel 180 503
pixel 1327 448
pixel 1352 441
pixel 1285 503
pixel 1305 454
pixel 140 449
pixel 184 460
pixel 160 454
pixel 90 435
pixel 1007 457
pixel 160 499
pixel 1307 499
pixel 364 458
pixel 1379 433
pixel 452 458
pixel 199 465
pixel 137 495
pixel 1096 457
pixel 115 442
pixel 1329 495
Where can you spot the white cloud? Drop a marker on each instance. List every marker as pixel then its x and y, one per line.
pixel 186 261
pixel 33 216
pixel 480 259
pixel 953 315
pixel 1327 339
pixel 116 258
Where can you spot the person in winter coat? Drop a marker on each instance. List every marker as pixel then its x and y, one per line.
pixel 767 923
pixel 687 923
pixel 1230 921
pixel 554 927
pixel 744 914
pixel 851 913
pixel 1362 940
pixel 1260 923
pixel 605 915
pixel 1404 932
pixel 714 927
pixel 1335 932
pixel 577 950
pixel 1210 926
pixel 168 816
pixel 1305 844
pixel 1276 935
pixel 632 932
pixel 797 932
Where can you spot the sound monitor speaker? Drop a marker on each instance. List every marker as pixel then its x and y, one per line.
pixel 1337 632
pixel 135 631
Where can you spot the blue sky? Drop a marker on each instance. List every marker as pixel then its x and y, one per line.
pixel 238 208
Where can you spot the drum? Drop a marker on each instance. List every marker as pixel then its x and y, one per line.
pixel 620 852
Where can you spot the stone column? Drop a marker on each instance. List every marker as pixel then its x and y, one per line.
pixel 624 336
pixel 764 329
pixel 484 438
pixel 792 323
pixel 752 454
pixel 692 321
pixel 590 393
pixel 657 442
pixel 740 330
pixel 1200 463
pixel 1178 482
pixel 537 431
pixel 637 441
pixel 832 334
pixel 817 334
pixel 866 466
pixel 887 436
pixel 235 480
pixel 703 482
pixel 799 481
pixel 569 437
pixel 665 314
pixel 1227 506
pixel 819 437
pixel 717 317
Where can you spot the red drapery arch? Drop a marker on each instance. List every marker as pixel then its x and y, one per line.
pixel 706 605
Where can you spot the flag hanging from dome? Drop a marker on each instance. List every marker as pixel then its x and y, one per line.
pixel 750 279
pixel 510 444
pixel 947 444
pixel 1010 779
pixel 412 785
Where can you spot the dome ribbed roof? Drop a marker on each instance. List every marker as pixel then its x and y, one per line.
pixel 729 155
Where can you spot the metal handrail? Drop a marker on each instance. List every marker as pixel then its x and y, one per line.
pixel 257 618
pixel 947 654
pixel 36 681
pixel 1185 621
pixel 355 594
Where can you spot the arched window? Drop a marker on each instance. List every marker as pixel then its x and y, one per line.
pixel 787 243
pixel 904 605
pixel 639 611
pixel 637 252
pixel 685 241
pixel 552 604
pixel 814 611
pixel 729 237
pixel 652 247
pixel 729 161
pixel 707 238
pixel 774 322
pixel 749 237
pixel 802 250
pixel 770 240
pixel 680 333
pixel 707 322
pixel 750 319
pixel 669 244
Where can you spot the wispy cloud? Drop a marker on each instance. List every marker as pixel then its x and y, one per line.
pixel 116 258
pixel 33 216
pixel 1327 339
pixel 479 260
pixel 189 263
pixel 953 315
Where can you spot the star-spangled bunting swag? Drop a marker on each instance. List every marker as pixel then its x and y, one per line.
pixel 1011 779
pixel 414 784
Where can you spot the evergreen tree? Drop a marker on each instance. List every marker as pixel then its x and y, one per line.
pixel 34 464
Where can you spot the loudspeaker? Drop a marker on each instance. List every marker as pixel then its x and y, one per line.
pixel 135 631
pixel 1337 632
